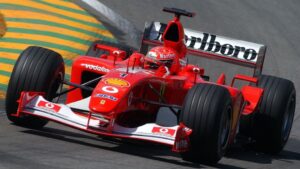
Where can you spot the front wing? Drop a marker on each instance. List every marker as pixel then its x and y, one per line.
pixel 33 103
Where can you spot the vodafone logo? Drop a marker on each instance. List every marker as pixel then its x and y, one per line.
pixel 49 106
pixel 163 131
pixel 95 67
pixel 110 89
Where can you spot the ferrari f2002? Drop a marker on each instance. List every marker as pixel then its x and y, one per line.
pixel 155 94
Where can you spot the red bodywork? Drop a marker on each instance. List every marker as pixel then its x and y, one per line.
pixel 130 96
pixel 127 93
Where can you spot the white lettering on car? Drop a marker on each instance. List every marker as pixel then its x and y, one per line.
pixel 105 96
pixel 95 67
pixel 231 48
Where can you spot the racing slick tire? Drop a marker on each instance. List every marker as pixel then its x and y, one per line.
pixel 270 126
pixel 98 52
pixel 207 110
pixel 37 69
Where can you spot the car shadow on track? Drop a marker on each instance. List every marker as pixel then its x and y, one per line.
pixel 248 153
pixel 154 151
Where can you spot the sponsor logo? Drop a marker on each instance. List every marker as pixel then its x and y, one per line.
pixel 95 67
pixel 116 82
pixel 209 42
pixel 135 70
pixel 102 101
pixel 167 56
pixel 49 106
pixel 110 89
pixel 213 43
pixel 163 131
pixel 105 96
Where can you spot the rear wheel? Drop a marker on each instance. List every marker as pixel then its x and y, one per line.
pixel 94 52
pixel 37 69
pixel 270 126
pixel 207 110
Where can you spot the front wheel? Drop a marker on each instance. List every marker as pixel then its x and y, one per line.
pixel 37 69
pixel 207 110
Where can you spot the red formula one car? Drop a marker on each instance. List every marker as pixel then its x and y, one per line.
pixel 156 95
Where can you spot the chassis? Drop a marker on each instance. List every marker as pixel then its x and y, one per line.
pixel 112 94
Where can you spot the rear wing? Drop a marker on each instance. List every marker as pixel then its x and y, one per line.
pixel 211 46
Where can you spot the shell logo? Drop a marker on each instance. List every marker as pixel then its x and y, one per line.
pixel 116 82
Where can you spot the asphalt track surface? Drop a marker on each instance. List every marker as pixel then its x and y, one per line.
pixel 272 22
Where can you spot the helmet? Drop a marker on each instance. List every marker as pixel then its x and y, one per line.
pixel 159 56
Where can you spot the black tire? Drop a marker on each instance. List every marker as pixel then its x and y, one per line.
pixel 270 126
pixel 207 110
pixel 98 52
pixel 37 69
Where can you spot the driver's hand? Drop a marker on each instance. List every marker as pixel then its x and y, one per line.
pixel 162 71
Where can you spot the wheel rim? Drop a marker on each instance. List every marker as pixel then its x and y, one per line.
pixel 288 118
pixel 225 128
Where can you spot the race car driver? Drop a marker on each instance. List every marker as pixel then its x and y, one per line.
pixel 162 59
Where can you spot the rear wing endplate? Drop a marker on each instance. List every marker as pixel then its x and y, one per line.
pixel 211 46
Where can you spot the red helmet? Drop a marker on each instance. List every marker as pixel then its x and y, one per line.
pixel 158 56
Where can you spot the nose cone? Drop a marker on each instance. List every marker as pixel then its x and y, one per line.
pixel 114 92
pixel 108 95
